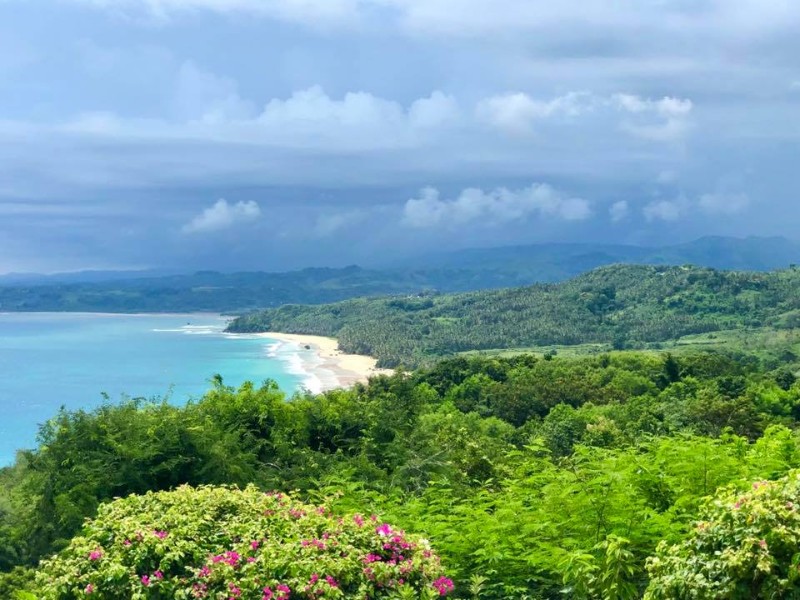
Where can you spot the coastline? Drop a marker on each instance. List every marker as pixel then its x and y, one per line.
pixel 323 365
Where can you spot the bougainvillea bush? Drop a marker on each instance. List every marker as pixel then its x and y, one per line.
pixel 745 546
pixel 224 543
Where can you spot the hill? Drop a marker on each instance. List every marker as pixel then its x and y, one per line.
pixel 622 305
pixel 466 270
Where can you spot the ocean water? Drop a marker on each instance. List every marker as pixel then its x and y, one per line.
pixel 48 360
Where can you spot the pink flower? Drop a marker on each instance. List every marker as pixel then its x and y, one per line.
pixel 384 530
pixel 443 585
pixel 314 579
pixel 284 592
pixel 268 594
pixel 204 571
pixel 126 543
pixel 254 544
pixel 331 581
pixel 763 544
pixel 371 558
pixel 160 534
pixel 89 589
pixel 96 554
pixel 145 580
pixel 158 575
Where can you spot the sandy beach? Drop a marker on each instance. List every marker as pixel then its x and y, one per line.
pixel 328 367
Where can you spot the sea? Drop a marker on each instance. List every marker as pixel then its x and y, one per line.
pixel 80 360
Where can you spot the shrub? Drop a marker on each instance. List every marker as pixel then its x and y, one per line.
pixel 746 546
pixel 224 543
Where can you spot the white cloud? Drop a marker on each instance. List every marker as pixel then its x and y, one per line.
pixel 222 216
pixel 663 120
pixel 726 204
pixel 201 95
pixel 516 112
pixel 665 210
pixel 660 120
pixel 666 107
pixel 209 108
pixel 434 111
pixel 492 207
pixel 312 108
pixel 619 211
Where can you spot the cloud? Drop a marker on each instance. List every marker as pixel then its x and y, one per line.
pixel 665 210
pixel 210 109
pixel 666 107
pixel 662 120
pixel 222 216
pixel 725 204
pixel 204 96
pixel 491 207
pixel 516 112
pixel 437 110
pixel 619 211
pixel 659 120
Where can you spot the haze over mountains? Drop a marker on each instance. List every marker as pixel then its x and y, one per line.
pixel 474 269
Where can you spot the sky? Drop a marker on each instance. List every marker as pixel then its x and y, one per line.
pixel 278 134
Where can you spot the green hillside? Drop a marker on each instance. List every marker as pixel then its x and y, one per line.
pixel 626 306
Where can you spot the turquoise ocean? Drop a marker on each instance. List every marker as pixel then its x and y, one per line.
pixel 49 360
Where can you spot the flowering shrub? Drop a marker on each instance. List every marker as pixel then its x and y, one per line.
pixel 745 546
pixel 228 544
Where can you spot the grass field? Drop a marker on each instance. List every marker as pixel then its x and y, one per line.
pixel 781 345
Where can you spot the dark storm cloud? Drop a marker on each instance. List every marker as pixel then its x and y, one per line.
pixel 262 133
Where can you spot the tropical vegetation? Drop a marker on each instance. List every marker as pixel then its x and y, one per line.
pixel 531 477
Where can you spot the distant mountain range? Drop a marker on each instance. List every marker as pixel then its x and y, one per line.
pixel 558 262
pixel 464 270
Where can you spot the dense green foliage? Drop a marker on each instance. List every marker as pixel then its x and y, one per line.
pixel 745 546
pixel 533 478
pixel 222 543
pixel 624 306
pixel 458 271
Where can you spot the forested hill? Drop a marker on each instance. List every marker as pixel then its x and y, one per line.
pixel 465 270
pixel 624 305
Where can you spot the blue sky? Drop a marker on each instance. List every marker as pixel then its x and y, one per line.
pixel 274 134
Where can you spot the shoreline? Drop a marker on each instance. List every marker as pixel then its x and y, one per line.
pixel 315 359
pixel 324 365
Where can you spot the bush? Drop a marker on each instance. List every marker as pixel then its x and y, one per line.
pixel 225 543
pixel 746 546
